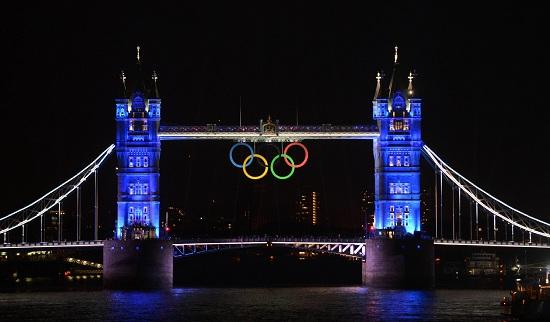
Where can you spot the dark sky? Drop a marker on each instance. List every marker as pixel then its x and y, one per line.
pixel 482 73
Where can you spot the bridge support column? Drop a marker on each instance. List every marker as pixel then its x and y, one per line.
pixel 138 264
pixel 399 263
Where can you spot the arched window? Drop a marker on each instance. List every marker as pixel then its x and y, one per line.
pixel 138 162
pixel 131 189
pixel 146 162
pixel 145 189
pixel 131 162
pixel 406 161
pixel 139 189
pixel 138 214
pixel 391 161
pixel 397 162
pixel 131 218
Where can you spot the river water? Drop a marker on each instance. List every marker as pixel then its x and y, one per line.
pixel 356 303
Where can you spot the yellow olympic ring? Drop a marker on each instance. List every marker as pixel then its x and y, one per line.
pixel 263 160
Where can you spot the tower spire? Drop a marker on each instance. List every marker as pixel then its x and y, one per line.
pixel 138 57
pixel 377 91
pixel 123 79
pixel 155 78
pixel 394 72
pixel 410 88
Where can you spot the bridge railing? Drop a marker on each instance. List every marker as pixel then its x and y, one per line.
pixel 487 202
pixel 54 197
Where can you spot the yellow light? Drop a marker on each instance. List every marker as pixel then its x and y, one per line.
pixel 265 165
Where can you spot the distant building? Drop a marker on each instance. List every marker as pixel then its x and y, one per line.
pixel 308 210
pixel 51 225
pixel 367 209
pixel 173 222
pixel 427 214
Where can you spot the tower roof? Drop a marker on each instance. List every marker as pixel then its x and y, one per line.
pixel 396 82
pixel 139 79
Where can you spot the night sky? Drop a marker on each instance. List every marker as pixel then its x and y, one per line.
pixel 482 74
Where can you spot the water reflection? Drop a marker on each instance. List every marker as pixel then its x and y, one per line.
pixel 251 304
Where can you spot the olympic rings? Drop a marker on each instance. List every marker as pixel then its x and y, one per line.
pixel 305 156
pixel 249 158
pixel 268 166
pixel 231 154
pixel 286 157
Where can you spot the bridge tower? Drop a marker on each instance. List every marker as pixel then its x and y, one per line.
pixel 396 255
pixel 136 258
pixel 397 155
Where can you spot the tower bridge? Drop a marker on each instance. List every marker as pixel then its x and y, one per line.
pixel 395 251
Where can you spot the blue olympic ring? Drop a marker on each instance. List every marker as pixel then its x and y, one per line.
pixel 240 166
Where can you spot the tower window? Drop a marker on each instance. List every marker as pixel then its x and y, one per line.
pixel 390 161
pixel 406 161
pixel 146 162
pixel 139 189
pixel 138 162
pixel 398 160
pixel 406 209
pixel 145 189
pixel 399 125
pixel 399 188
pixel 131 162
pixel 144 126
pixel 131 189
pixel 392 208
pixel 131 210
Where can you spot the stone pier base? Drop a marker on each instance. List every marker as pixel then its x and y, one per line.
pixel 399 263
pixel 138 264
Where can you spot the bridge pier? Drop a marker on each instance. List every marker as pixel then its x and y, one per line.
pixel 399 263
pixel 138 264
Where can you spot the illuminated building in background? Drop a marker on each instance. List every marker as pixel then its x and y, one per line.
pixel 52 224
pixel 426 206
pixel 308 208
pixel 173 222
pixel 367 209
pixel 397 155
pixel 137 118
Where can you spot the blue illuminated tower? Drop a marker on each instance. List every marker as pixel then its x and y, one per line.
pixel 397 156
pixel 138 156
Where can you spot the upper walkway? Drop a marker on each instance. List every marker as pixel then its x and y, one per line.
pixel 279 133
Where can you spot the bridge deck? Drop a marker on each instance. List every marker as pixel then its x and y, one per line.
pixel 283 133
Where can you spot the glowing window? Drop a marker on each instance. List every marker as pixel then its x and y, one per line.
pixel 138 162
pixel 390 162
pixel 144 126
pixel 131 162
pixel 399 125
pixel 146 162
pixel 131 189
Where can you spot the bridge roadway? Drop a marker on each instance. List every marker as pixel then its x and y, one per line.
pixel 282 133
pixel 350 247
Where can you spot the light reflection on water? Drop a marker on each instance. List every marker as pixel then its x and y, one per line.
pixel 251 304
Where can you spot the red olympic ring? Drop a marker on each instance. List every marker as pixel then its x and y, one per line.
pixel 305 157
